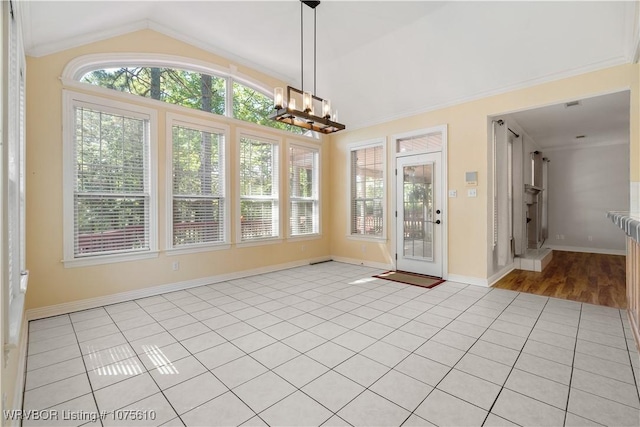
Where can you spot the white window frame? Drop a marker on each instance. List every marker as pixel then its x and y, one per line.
pixel 378 142
pixel 277 142
pixel 79 66
pixel 173 119
pixel 317 188
pixel 15 275
pixel 70 101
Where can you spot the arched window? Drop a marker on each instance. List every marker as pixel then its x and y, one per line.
pixel 192 89
pixel 189 89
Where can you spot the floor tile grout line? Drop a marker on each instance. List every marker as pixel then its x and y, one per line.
pixel 450 367
pixel 369 320
pixel 356 353
pixel 93 395
pixel 161 391
pixel 255 414
pixel 330 369
pixel 633 371
pixel 513 366
pixel 207 369
pixel 229 389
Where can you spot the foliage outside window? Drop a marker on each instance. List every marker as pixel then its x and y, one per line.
pixel 193 90
pixel 253 106
pixel 198 186
pixel 111 199
pixel 180 87
pixel 303 191
pixel 259 201
pixel 367 191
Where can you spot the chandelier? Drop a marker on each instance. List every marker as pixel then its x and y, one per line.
pixel 303 108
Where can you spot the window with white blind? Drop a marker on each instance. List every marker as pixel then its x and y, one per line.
pixel 198 185
pixel 259 192
pixel 110 183
pixel 13 169
pixel 367 179
pixel 304 215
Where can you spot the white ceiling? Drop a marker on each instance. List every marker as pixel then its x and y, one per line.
pixel 377 60
pixel 602 120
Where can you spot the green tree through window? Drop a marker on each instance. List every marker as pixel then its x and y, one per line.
pixel 193 90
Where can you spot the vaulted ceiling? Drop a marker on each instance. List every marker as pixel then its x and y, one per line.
pixel 376 60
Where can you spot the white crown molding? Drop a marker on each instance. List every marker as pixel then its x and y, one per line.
pixel 87 38
pixel 632 31
pixel 600 65
pixel 232 57
pixel 85 304
pixel 24 16
pixel 83 39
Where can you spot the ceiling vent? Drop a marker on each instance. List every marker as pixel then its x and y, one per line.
pixel 572 104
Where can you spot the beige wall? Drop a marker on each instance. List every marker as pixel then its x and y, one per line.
pixel 468 150
pixel 50 282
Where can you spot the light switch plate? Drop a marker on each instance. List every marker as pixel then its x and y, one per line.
pixel 472 192
pixel 453 193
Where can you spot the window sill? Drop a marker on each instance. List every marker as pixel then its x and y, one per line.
pixel 108 259
pixel 258 242
pixel 367 238
pixel 193 249
pixel 303 237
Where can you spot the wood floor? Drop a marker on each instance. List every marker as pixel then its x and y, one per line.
pixel 592 278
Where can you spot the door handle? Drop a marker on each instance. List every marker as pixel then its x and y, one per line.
pixel 437 221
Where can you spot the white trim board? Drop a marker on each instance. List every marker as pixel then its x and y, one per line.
pixel 85 304
pixel 587 250
pixel 468 280
pixel 364 262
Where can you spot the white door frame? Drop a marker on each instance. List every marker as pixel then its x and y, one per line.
pixel 391 183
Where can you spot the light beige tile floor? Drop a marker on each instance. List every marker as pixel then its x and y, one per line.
pixel 330 345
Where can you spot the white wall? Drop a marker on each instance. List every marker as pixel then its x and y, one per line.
pixel 584 184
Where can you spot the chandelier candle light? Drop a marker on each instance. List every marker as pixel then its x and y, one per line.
pixel 285 107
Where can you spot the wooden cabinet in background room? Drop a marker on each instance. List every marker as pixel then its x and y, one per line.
pixel 633 287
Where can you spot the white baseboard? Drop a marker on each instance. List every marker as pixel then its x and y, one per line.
pixel 587 250
pixel 500 274
pixel 468 280
pixel 85 304
pixel 21 369
pixel 366 263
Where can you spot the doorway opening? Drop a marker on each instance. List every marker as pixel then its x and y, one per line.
pixel 557 171
pixel 420 208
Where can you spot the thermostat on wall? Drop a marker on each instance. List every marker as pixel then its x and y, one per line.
pixel 471 178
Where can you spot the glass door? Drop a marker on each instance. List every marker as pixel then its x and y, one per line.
pixel 419 218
